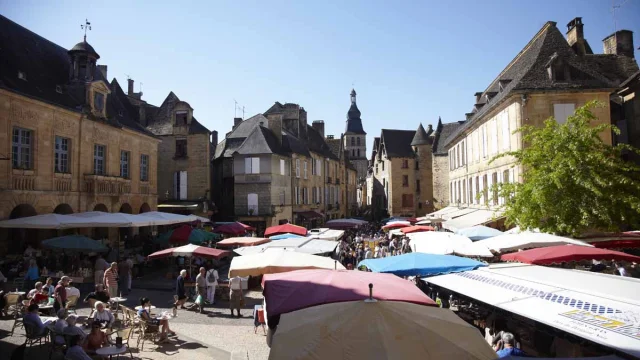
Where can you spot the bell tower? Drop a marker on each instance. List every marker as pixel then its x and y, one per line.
pixel 355 138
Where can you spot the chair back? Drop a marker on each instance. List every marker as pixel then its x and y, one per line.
pixel 261 316
pixel 12 299
pixel 124 333
pixel 72 301
pixel 92 304
pixel 30 331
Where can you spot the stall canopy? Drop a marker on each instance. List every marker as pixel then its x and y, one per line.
pixel 105 219
pixel 186 234
pixel 242 241
pixel 163 218
pixel 479 232
pixel 356 222
pixel 476 217
pixel 396 225
pixel 285 228
pixel 564 253
pixel 442 243
pixel 285 236
pixel 310 215
pixel 419 264
pixel 416 228
pixel 295 290
pixel 231 229
pixel 95 219
pixel 305 245
pixel 326 234
pixel 74 243
pixel 189 251
pixel 601 308
pixel 626 240
pixel 271 262
pixel 525 240
pixel 46 221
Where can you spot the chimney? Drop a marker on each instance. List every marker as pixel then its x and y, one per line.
pixel 575 36
pixel 619 43
pixel 236 122
pixel 429 128
pixel 274 123
pixel 214 138
pixel 103 70
pixel 130 87
pixel 142 112
pixel 318 125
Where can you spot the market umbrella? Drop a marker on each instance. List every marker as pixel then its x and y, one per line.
pixel 230 229
pixel 46 221
pixel 626 240
pixel 437 242
pixel 419 264
pixel 479 232
pixel 285 228
pixel 526 240
pixel 186 234
pixel 416 228
pixel 341 225
pixel 564 253
pixel 189 251
pixel 74 243
pixel 242 241
pixel 295 290
pixel 285 236
pixel 246 227
pixel 164 218
pixel 396 225
pixel 271 262
pixel 377 330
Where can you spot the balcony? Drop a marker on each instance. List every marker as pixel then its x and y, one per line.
pixel 145 188
pixel 26 180
pixel 252 178
pixel 62 184
pixel 106 185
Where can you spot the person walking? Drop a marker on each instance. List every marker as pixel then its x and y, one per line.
pixel 100 266
pixel 181 294
pixel 110 279
pixel 129 273
pixel 60 294
pixel 201 283
pixel 236 297
pixel 212 283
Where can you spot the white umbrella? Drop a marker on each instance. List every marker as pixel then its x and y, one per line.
pixel 433 242
pixel 526 240
pixel 105 219
pixel 473 250
pixel 47 221
pixel 373 329
pixel 271 262
pixel 163 218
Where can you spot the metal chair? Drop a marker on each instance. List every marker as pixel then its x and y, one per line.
pixel 71 303
pixel 18 316
pixel 12 303
pixel 18 283
pixel 147 331
pixel 32 335
pixel 125 334
pixel 55 345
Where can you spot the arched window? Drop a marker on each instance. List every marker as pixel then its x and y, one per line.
pixel 353 141
pixel 358 140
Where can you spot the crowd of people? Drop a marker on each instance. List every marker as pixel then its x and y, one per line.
pixel 369 242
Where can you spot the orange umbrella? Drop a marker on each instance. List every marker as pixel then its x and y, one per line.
pixel 416 228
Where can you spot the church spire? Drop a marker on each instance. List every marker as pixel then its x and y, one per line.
pixel 353 96
pixel 354 123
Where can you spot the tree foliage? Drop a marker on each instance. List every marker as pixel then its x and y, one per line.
pixel 572 181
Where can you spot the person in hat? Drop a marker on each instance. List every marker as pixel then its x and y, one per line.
pixel 60 293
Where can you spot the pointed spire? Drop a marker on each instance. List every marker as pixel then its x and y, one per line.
pixel 353 96
pixel 421 137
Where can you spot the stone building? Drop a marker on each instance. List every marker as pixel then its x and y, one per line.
pixel 550 76
pixel 401 172
pixel 625 114
pixel 440 166
pixel 184 179
pixel 275 167
pixel 71 143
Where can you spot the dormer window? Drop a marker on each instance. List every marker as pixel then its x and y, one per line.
pixel 181 117
pixel 98 101
pixel 22 75
pixel 557 70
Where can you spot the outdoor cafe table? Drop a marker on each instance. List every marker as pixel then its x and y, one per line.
pixel 151 307
pixel 117 300
pixel 111 350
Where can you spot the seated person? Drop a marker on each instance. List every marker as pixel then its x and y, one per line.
pixel 144 315
pixel 32 319
pixel 72 329
pixel 100 294
pixel 75 351
pixel 72 291
pixel 41 297
pixel 509 349
pixel 35 290
pixel 60 325
pixel 96 339
pixel 103 316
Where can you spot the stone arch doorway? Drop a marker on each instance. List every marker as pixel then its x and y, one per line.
pixel 144 208
pixel 63 209
pixel 125 234
pixel 19 239
pixel 101 233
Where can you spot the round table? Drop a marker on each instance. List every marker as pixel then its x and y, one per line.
pixel 139 307
pixel 111 350
pixel 117 300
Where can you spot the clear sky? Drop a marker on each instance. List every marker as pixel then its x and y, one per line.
pixel 410 62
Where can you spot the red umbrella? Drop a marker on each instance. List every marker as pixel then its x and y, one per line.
pixel 396 225
pixel 416 228
pixel 295 290
pixel 246 227
pixel 191 250
pixel 231 229
pixel 285 228
pixel 564 253
pixel 629 239
pixel 180 235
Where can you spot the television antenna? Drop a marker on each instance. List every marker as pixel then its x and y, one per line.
pixel 614 8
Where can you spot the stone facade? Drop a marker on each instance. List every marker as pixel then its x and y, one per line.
pixel 626 115
pixel 440 169
pixel 196 164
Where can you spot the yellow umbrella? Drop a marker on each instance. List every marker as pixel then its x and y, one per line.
pixel 377 330
pixel 276 261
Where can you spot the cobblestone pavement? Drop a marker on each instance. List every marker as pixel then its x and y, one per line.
pixel 211 335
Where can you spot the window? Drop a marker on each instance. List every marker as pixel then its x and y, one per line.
pixel 383 166
pixel 470 148
pixel 181 148
pixel 462 153
pixel 451 200
pixel 476 140
pixel 181 118
pixel 353 141
pixel 282 198
pixel 407 200
pixel 418 186
pixel 506 134
pixel 417 165
pixel 99 154
pixel 180 185
pixel 464 191
pixel 252 165
pixel 358 141
pixel 144 167
pixel 282 171
pixel 470 190
pixel 561 112
pixel 98 101
pixel 475 200
pixel 306 195
pixel 353 152
pixel 485 189
pixel 494 137
pixel 319 196
pixel 405 164
pixel 319 167
pixel 252 204
pixel 505 176
pixel 297 194
pixel 358 152
pixel 405 180
pixel 21 148
pixel 313 195
pixel 305 169
pixel 124 164
pixel 61 159
pixel 484 141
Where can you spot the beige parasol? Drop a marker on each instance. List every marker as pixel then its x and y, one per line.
pixel 377 330
pixel 272 262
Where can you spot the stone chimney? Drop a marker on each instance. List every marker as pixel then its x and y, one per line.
pixel 575 36
pixel 619 43
pixel 274 123
pixel 130 87
pixel 214 138
pixel 318 125
pixel 103 71
pixel 429 129
pixel 236 122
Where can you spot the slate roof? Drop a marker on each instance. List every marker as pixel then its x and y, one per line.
pixel 334 145
pixel 354 123
pixel 260 141
pixel 318 144
pixel 397 143
pixel 374 150
pixel 120 111
pixel 159 119
pixel 292 144
pixel 420 137
pixel 443 131
pixel 528 72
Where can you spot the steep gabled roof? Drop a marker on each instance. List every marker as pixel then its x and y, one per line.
pixel 317 143
pixel 292 144
pixel 443 131
pixel 374 150
pixel 120 110
pixel 260 141
pixel 160 119
pixel 246 126
pixel 397 143
pixel 421 137
pixel 335 145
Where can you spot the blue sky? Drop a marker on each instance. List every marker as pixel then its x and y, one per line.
pixel 410 62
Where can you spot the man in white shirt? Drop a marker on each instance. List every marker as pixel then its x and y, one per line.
pixel 212 282
pixel 73 291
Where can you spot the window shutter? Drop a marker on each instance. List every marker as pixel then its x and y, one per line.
pixel 252 203
pixel 506 134
pixel 255 165
pixel 494 136
pixel 305 169
pixel 247 165
pixel 183 185
pixel 176 189
pixel 282 167
pixel 482 197
pixel 319 167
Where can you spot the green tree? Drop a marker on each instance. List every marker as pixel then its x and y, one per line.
pixel 572 180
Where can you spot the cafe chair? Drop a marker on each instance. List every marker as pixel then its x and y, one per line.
pixel 147 331
pixel 71 303
pixel 32 337
pixel 55 346
pixel 18 283
pixel 125 334
pixel 12 305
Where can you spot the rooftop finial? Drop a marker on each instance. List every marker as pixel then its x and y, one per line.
pixel 86 26
pixel 353 96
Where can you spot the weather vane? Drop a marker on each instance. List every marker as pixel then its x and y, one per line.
pixel 86 26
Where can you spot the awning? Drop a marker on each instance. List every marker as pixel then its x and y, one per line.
pixel 310 215
pixel 326 234
pixel 601 308
pixel 477 217
pixel 458 213
pixel 443 211
pixel 304 245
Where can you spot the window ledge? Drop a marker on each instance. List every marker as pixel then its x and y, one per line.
pixel 28 172
pixel 62 175
pixel 182 157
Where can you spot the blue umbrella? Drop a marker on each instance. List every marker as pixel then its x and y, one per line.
pixel 479 232
pixel 74 242
pixel 285 236
pixel 420 264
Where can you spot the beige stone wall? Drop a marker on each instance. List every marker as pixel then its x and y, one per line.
pixel 440 169
pixel 197 165
pixel 424 173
